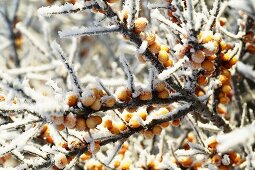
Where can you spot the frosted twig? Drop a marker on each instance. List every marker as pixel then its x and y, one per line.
pixel 59 52
pixel 213 14
pixel 168 72
pixel 66 8
pixel 129 74
pixel 156 14
pixel 87 31
pixel 131 4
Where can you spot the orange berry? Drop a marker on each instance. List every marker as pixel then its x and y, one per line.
pixel 211 57
pixel 155 47
pixel 205 36
pixel 109 101
pixel 114 130
pixel 165 124
pixel 134 123
pixel 233 61
pixel 223 45
pixel 57 119
pixel 163 94
pixel 216 159
pixel 127 116
pixel 88 98
pixel 251 49
pixel 91 122
pixel 207 65
pixel 2 98
pixel 226 89
pixel 160 86
pixel 116 164
pixel 85 156
pixel 60 160
pixel 71 99
pixel 123 93
pixel 176 122
pixel 150 38
pixel 212 143
pixel 226 73
pixel 96 105
pixel 125 165
pixel 225 57
pixel 108 123
pixel 122 126
pixel 186 161
pixel 140 24
pixel 168 63
pixel 143 114
pixel 70 121
pixel 165 48
pixel 202 80
pixel 224 100
pixel 223 79
pixel 145 95
pixel 148 134
pixel 156 130
pixel 163 56
pixel 60 127
pixel 198 56
pixel 81 124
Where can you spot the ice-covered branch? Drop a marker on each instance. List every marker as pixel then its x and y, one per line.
pixel 66 8
pixel 59 52
pixel 87 31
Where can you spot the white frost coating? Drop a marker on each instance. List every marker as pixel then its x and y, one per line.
pixel 225 160
pixel 246 70
pixel 15 124
pixel 190 152
pixel 66 8
pixel 77 32
pixel 128 72
pixel 209 45
pixel 18 142
pixel 60 53
pixel 33 149
pixel 156 5
pixel 156 14
pixel 143 47
pixel 167 73
pixel 230 140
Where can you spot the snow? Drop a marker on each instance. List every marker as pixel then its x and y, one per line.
pixel 169 71
pixel 143 47
pixel 66 8
pixel 87 31
pixel 225 160
pixel 209 46
pixel 60 53
pixel 241 136
pixel 18 142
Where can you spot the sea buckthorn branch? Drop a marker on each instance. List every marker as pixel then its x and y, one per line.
pixel 76 126
pixel 176 114
pixel 216 119
pixel 67 8
pixel 135 102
